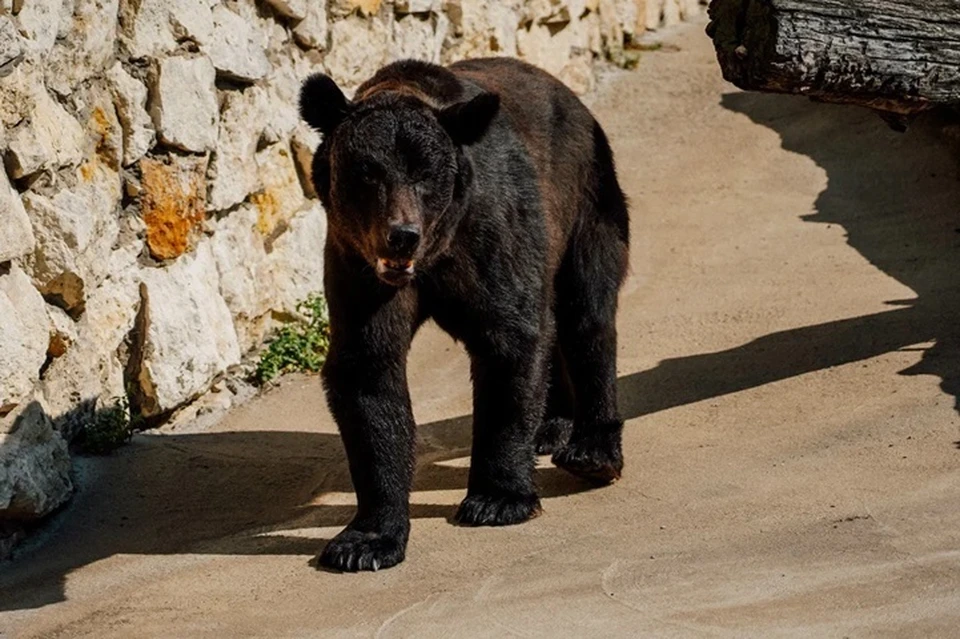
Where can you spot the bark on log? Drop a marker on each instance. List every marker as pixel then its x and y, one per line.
pixel 899 56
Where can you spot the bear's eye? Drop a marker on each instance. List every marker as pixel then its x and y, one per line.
pixel 420 175
pixel 367 173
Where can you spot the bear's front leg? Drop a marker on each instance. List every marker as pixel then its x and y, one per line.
pixel 368 396
pixel 365 375
pixel 508 400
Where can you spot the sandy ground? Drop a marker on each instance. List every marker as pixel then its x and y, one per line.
pixel 789 367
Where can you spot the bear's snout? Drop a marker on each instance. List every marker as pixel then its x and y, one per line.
pixel 403 240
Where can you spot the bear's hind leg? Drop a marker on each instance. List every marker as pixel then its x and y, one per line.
pixel 557 423
pixel 586 328
pixel 509 393
pixel 587 286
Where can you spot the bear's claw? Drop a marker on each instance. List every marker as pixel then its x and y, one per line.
pixel 500 510
pixel 553 434
pixel 595 459
pixel 353 551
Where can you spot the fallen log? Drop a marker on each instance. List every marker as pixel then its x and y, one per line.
pixel 896 56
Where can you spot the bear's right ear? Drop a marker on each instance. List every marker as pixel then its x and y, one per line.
pixel 322 104
pixel 466 122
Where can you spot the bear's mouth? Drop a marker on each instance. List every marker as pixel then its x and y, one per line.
pixel 395 272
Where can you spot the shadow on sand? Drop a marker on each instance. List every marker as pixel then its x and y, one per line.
pixel 897 196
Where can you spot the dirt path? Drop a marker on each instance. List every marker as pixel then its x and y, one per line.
pixel 789 368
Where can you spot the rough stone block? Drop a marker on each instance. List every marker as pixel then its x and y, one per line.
pixel 183 103
pixel 189 336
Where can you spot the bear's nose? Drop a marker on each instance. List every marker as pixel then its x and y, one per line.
pixel 403 239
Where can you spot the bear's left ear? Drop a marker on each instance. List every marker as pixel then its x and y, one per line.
pixel 322 104
pixel 466 122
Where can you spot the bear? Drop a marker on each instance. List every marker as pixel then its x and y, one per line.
pixel 482 195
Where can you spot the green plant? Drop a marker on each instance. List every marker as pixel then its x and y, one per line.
pixel 299 346
pixel 110 428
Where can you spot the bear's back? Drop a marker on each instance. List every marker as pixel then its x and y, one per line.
pixel 555 128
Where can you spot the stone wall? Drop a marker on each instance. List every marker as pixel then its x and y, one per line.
pixel 156 218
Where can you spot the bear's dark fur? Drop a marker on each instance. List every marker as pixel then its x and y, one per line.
pixel 482 196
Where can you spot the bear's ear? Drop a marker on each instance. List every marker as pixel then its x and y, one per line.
pixel 466 122
pixel 322 104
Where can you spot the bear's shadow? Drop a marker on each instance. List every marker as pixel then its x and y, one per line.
pixel 237 493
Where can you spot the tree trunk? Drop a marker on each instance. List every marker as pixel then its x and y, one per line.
pixel 899 56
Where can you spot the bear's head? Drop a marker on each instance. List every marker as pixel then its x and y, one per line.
pixel 391 169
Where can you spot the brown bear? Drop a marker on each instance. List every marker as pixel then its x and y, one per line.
pixel 483 196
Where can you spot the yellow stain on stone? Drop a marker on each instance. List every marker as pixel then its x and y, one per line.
pixel 281 195
pixel 101 126
pixel 172 206
pixel 87 171
pixel 268 211
pixel 368 7
pixel 100 122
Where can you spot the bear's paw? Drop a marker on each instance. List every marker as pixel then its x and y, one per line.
pixel 497 510
pixel 553 435
pixel 354 550
pixel 598 458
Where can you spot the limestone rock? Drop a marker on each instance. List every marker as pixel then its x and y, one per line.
pixel 304 145
pixel 578 73
pixel 130 96
pixel 245 276
pixel 34 465
pixel 483 27
pixel 40 22
pixel 281 195
pixel 237 47
pixel 47 137
pixel 233 175
pixel 554 12
pixel 417 6
pixel 63 332
pixel 75 227
pixel 90 373
pixel 11 47
pixel 189 337
pixel 312 30
pixel 93 103
pixel 667 13
pixel 297 258
pixel 24 338
pixel 441 31
pixel 152 28
pixel 671 13
pixel 296 9
pixel 631 15
pixel 690 9
pixel 270 32
pixel 17 96
pixel 291 67
pixel 611 30
pixel 537 46
pixel 86 49
pixel 358 47
pixel 414 37
pixel 588 34
pixel 172 200
pixel 16 235
pixel 342 8
pixel 183 103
